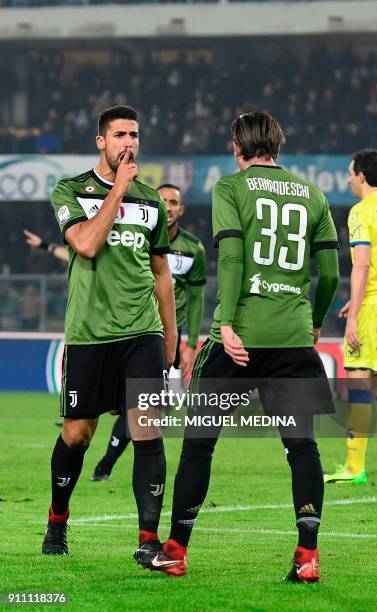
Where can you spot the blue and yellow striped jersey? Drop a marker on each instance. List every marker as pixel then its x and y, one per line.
pixel 362 226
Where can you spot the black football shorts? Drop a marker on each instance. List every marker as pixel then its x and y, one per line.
pixel 95 375
pixel 290 381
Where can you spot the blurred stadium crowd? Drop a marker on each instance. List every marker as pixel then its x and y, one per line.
pixel 187 97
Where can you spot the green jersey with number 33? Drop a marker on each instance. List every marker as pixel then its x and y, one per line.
pixel 282 220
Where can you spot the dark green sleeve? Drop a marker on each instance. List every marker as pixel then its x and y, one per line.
pixel 196 281
pixel 325 235
pixel 229 276
pixel 328 279
pixel 198 271
pixel 67 209
pixel 225 219
pixel 195 309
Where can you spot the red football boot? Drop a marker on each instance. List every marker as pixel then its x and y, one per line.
pixel 305 566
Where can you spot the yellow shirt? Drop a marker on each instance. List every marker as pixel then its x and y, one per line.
pixel 362 226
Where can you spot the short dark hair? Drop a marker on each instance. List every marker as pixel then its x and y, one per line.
pixel 169 186
pixel 257 134
pixel 365 161
pixel 115 112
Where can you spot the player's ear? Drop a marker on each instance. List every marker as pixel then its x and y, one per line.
pixel 362 178
pixel 236 150
pixel 100 142
pixel 182 210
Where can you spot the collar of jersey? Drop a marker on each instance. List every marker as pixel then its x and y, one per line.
pixel 264 166
pixel 371 196
pixel 101 180
pixel 176 236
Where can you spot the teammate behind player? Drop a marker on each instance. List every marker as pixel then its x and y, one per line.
pixel 187 262
pixel 267 223
pixel 115 328
pixel 360 341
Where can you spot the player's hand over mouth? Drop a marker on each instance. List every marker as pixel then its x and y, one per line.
pixel 127 171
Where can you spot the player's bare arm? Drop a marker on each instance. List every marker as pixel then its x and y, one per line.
pixel 195 307
pixel 33 239
pixel 359 281
pixel 343 312
pixel 87 237
pixel 187 359
pixel 165 295
pixel 60 252
pixel 36 241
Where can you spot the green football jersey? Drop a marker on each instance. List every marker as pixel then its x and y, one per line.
pixel 282 220
pixel 187 262
pixel 111 296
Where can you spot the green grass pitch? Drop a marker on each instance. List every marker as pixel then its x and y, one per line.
pixel 238 556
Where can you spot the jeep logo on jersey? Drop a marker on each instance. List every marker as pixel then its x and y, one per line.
pixel 135 240
pixel 257 283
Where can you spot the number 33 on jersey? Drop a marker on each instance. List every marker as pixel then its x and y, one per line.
pixel 282 221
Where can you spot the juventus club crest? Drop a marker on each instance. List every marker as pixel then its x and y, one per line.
pixel 144 213
pixel 73 399
pixel 157 489
pixel 178 263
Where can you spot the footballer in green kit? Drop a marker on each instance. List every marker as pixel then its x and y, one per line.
pixel 267 224
pixel 187 262
pixel 120 320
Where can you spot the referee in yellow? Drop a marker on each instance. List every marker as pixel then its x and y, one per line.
pixel 360 341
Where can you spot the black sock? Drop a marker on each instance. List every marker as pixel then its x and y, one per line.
pixel 307 488
pixel 117 444
pixel 307 535
pixel 66 466
pixel 148 481
pixel 190 486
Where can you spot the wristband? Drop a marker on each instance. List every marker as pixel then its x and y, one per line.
pixel 44 246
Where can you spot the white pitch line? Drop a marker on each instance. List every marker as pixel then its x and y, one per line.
pixel 220 509
pixel 326 534
pixel 32 445
pixel 272 532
